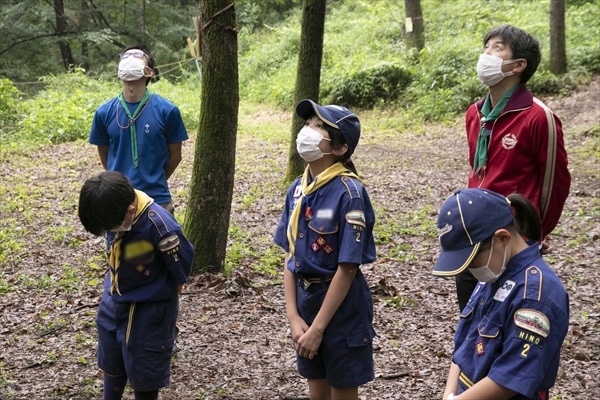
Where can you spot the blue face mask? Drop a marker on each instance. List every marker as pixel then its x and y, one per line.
pixel 485 274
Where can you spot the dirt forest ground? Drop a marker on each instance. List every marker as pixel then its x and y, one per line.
pixel 234 341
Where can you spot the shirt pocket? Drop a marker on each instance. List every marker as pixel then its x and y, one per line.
pixel 323 242
pixel 323 226
pixel 490 338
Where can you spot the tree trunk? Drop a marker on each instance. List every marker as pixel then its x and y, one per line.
pixel 558 55
pixel 308 75
pixel 61 30
pixel 415 28
pixel 142 16
pixel 211 189
pixel 84 27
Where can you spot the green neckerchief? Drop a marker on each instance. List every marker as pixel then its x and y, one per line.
pixel 132 118
pixel 483 141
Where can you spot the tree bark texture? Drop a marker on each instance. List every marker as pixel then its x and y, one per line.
pixel 415 38
pixel 61 30
pixel 308 74
pixel 211 189
pixel 558 54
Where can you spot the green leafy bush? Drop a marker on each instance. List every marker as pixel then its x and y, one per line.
pixel 63 112
pixel 364 89
pixel 9 96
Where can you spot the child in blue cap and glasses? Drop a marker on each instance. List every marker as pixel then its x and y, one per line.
pixel 326 231
pixel 507 344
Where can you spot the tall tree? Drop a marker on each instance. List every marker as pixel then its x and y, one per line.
pixel 61 30
pixel 308 74
pixel 558 54
pixel 415 28
pixel 211 189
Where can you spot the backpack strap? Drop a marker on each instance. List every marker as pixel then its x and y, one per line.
pixel 550 160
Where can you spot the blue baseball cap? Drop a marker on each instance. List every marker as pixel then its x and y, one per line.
pixel 337 117
pixel 466 219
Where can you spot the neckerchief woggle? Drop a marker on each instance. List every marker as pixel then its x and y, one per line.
pixel 131 122
pixel 337 169
pixel 143 202
pixel 483 140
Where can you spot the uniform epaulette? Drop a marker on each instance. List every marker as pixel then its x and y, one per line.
pixel 350 184
pixel 158 222
pixel 533 283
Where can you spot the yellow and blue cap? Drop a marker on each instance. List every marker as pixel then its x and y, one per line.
pixel 466 219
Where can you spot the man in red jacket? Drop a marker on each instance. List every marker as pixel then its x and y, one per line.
pixel 515 141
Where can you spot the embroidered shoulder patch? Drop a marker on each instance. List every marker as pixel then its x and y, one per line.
pixel 168 243
pixel 356 217
pixel 533 320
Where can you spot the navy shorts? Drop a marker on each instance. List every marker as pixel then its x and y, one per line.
pixel 137 339
pixel 345 357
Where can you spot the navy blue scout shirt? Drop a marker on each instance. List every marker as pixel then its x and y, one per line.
pixel 155 258
pixel 512 330
pixel 337 229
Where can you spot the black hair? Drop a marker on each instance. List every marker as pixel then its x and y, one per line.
pixel 151 62
pixel 104 200
pixel 337 142
pixel 527 222
pixel 522 44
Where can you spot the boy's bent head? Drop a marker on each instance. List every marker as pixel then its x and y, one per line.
pixel 104 200
pixel 522 44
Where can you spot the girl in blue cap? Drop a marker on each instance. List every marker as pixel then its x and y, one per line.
pixel 326 230
pixel 507 344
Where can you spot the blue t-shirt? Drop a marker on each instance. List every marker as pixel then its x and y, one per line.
pixel 158 126
pixel 512 330
pixel 338 229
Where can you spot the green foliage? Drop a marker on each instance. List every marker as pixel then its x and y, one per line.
pixel 63 111
pixel 380 83
pixel 9 96
pixel 252 15
pixel 361 36
pixel 365 63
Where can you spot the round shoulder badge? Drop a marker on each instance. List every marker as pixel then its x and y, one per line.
pixel 509 141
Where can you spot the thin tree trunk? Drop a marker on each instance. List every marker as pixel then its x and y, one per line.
pixel 308 75
pixel 558 54
pixel 211 190
pixel 84 27
pixel 414 37
pixel 61 29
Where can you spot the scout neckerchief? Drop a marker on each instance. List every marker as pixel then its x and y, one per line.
pixel 131 122
pixel 483 141
pixel 337 169
pixel 143 202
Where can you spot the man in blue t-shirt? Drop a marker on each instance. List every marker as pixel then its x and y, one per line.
pixel 140 133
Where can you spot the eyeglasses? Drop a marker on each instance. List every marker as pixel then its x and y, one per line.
pixel 135 54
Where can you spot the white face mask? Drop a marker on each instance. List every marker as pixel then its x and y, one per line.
pixel 485 274
pixel 307 144
pixel 489 69
pixel 131 69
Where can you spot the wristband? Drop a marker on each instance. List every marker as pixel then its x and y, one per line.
pixel 450 396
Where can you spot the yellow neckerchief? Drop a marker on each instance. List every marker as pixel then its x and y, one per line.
pixel 143 202
pixel 337 169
